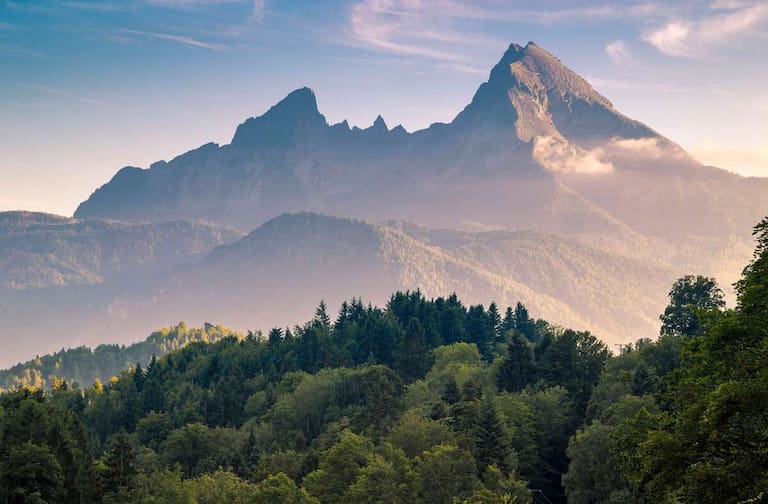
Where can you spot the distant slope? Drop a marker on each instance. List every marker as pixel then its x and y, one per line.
pixel 616 294
pixel 280 272
pixel 64 282
pixel 85 365
pixel 43 250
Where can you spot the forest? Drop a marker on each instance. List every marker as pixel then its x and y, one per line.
pixel 421 401
pixel 85 365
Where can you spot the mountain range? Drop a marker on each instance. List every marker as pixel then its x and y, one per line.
pixel 538 191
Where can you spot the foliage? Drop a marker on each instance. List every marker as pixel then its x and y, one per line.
pixel 688 295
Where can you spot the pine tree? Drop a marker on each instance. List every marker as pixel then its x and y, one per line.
pixel 517 369
pixel 321 316
pixel 275 336
pixel 495 318
pixel 138 377
pixel 524 324
pixel 481 331
pixel 412 357
pixel 509 321
pixel 451 394
pixel 643 381
pixel 491 442
pixel 344 314
pixel 120 461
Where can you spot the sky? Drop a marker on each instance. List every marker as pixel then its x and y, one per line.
pixel 87 86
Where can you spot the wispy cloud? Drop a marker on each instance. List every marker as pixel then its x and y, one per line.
pixel 180 39
pixel 259 10
pixel 20 51
pixel 87 100
pixel 409 27
pixel 443 29
pixel 258 7
pixel 618 52
pixel 42 88
pixel 560 156
pixel 98 6
pixel 182 4
pixel 580 14
pixel 724 24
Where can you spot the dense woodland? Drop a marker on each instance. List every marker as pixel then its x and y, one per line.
pixel 422 401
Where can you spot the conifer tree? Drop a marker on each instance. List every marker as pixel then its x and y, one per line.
pixel 491 442
pixel 121 464
pixel 275 336
pixel 495 318
pixel 523 322
pixel 321 316
pixel 508 323
pixel 451 393
pixel 517 369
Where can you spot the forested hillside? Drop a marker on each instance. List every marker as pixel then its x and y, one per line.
pixel 85 366
pixel 421 401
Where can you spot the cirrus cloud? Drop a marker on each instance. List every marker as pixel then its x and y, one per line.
pixel 725 23
pixel 618 51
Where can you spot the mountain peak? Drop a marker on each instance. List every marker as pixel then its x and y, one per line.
pixel 296 112
pixel 491 104
pixel 379 125
pixel 298 100
pixel 533 92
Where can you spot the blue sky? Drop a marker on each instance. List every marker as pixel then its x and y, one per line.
pixel 87 87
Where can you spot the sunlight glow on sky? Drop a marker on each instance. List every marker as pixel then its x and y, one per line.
pixel 87 87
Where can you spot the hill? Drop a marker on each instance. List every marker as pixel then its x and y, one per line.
pixel 42 250
pixel 85 366
pixel 64 281
pixel 307 257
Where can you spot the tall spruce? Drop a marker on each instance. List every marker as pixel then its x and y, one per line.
pixel 491 441
pixel 120 462
pixel 517 369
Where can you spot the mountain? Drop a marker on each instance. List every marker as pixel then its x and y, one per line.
pixel 278 273
pixel 539 190
pixel 537 148
pixel 64 280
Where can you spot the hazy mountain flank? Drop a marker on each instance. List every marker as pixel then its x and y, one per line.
pixel 306 257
